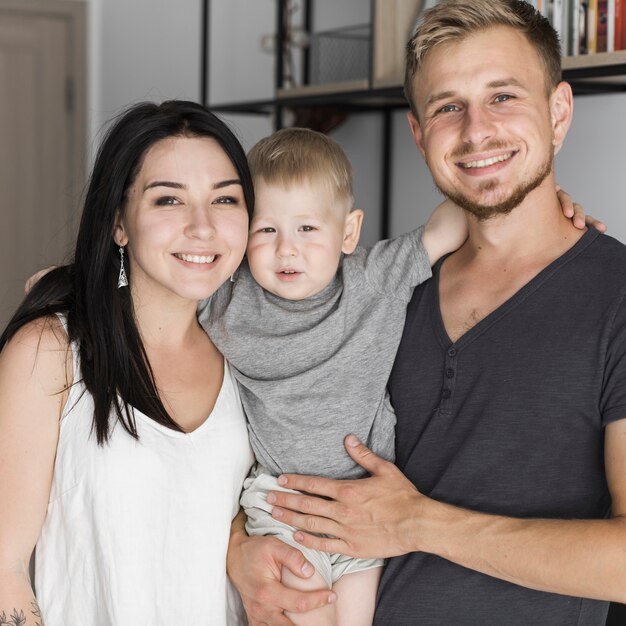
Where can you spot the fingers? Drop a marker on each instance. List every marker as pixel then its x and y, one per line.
pixel 579 216
pixel 294 601
pixel 309 484
pixel 272 599
pixel 567 205
pixel 367 459
pixel 309 523
pixel 294 561
pixel 597 224
pixel 323 544
pixel 30 283
pixel 302 503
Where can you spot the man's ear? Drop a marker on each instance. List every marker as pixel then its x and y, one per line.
pixel 352 231
pixel 416 131
pixel 119 232
pixel 561 110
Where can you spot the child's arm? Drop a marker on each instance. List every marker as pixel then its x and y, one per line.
pixel 445 230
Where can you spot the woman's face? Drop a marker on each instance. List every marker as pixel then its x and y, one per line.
pixel 185 222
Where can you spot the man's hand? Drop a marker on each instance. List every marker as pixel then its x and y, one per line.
pixel 576 213
pixel 372 517
pixel 254 566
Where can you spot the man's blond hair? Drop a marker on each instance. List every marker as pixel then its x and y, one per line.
pixel 299 155
pixel 454 20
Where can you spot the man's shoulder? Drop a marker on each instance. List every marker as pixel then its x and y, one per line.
pixel 607 254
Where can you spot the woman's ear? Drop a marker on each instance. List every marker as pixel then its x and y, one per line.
pixel 119 233
pixel 352 231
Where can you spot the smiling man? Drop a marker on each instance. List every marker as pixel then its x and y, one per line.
pixel 508 503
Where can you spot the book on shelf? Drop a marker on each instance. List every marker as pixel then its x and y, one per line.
pixel 587 26
pixel 583 26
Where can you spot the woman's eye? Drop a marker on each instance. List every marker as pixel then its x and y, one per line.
pixel 226 200
pixel 267 229
pixel 167 201
pixel 307 229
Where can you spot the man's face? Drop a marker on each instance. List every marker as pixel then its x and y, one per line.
pixel 486 124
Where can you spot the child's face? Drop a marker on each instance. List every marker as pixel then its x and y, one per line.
pixel 297 235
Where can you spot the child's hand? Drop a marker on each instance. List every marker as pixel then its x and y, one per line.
pixel 445 231
pixel 576 213
pixel 30 283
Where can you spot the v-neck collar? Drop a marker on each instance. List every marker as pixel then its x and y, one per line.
pixel 515 300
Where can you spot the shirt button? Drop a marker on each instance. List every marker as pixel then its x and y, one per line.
pixel 452 352
pixel 445 394
pixel 450 372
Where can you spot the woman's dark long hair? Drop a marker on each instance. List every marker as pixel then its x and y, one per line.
pixel 114 365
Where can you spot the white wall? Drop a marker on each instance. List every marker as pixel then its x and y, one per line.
pixel 141 50
pixel 149 49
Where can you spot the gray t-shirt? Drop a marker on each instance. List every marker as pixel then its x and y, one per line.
pixel 312 371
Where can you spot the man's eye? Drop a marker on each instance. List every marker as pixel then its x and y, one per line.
pixel 307 229
pixel 167 201
pixel 448 108
pixel 503 97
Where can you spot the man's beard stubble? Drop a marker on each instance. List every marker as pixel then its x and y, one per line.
pixel 485 211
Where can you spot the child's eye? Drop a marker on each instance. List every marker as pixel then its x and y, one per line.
pixel 307 229
pixel 167 201
pixel 267 229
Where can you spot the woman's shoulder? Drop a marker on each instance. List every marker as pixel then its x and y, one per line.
pixel 39 354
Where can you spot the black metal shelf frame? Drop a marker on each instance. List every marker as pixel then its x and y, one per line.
pixel 584 81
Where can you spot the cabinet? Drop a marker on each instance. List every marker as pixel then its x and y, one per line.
pixel 379 89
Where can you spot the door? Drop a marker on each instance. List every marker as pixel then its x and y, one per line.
pixel 42 138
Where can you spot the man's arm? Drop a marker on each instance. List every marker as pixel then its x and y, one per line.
pixel 254 565
pixel 384 516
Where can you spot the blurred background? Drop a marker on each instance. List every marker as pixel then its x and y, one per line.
pixel 69 66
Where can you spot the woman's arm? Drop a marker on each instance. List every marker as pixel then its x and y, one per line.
pixel 254 565
pixel 34 376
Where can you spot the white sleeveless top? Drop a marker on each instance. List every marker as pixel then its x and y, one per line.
pixel 136 532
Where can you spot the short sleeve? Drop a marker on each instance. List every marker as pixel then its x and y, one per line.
pixel 395 267
pixel 613 400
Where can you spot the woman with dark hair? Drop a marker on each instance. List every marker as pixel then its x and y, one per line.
pixel 123 445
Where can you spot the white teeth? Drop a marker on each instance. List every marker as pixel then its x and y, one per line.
pixel 487 162
pixel 192 258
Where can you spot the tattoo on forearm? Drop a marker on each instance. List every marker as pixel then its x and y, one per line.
pixel 36 611
pixel 18 618
pixel 14 619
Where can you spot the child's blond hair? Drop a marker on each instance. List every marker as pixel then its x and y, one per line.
pixel 299 155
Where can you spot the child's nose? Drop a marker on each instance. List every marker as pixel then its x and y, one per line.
pixel 286 247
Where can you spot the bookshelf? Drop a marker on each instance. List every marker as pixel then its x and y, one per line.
pixel 380 88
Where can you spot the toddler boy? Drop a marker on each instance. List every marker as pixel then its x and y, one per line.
pixel 310 326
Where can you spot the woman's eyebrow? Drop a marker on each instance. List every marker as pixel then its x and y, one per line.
pixel 172 185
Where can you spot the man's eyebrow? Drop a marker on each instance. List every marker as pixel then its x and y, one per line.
pixel 505 82
pixel 444 95
pixel 172 185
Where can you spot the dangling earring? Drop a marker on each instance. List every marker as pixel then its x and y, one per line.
pixel 122 281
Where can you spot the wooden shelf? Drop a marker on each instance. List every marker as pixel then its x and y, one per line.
pixel 594 61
